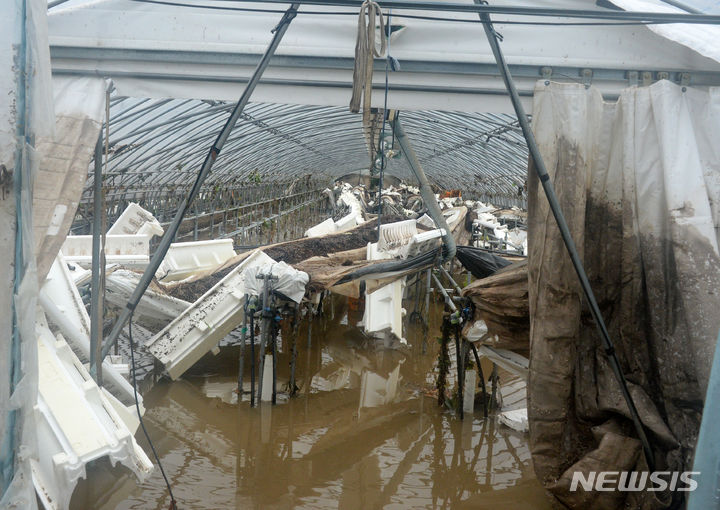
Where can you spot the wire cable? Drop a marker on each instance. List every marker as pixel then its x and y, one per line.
pixel 417 16
pixel 173 502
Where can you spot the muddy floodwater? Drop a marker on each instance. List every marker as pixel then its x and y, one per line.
pixel 364 432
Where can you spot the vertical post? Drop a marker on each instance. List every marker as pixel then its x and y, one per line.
pixel 493 384
pixel 428 290
pixel 252 357
pixel 274 329
pixel 98 262
pixel 293 359
pixel 460 360
pixel 243 336
pixel 264 327
pixel 481 376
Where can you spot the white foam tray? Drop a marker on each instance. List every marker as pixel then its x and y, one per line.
pixel 186 259
pixel 126 250
pixel 76 423
pixel 207 321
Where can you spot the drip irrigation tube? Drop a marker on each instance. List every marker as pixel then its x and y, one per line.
pixel 547 185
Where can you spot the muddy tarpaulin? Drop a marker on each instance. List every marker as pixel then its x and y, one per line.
pixel 639 183
pixel 480 262
pixel 501 300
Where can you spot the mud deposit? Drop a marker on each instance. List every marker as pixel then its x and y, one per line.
pixel 351 439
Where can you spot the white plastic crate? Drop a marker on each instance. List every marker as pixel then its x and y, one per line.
pixel 65 309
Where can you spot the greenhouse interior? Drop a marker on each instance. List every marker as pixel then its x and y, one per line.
pixel 356 254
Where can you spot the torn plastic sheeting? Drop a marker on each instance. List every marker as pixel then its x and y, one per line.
pixel 700 38
pixel 186 259
pixel 136 220
pixel 76 424
pixel 290 283
pixel 154 309
pixel 517 419
pixel 510 361
pixel 208 320
pixel 63 162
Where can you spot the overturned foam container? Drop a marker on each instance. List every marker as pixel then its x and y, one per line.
pixel 207 321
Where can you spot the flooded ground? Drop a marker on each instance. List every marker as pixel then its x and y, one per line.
pixel 361 434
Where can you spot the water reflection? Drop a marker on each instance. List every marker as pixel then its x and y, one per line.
pixel 361 434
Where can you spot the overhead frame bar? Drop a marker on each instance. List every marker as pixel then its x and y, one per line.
pixel 655 17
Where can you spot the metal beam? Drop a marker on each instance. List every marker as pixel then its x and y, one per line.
pixel 167 239
pixel 425 191
pixel 98 262
pixel 94 56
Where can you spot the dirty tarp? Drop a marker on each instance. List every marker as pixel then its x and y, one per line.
pixel 639 183
pixel 501 300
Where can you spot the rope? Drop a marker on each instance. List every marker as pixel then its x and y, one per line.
pixel 365 51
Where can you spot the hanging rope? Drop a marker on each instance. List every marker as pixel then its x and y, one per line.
pixel 365 51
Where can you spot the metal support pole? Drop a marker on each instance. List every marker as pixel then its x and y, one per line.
pixel 459 362
pixel 98 262
pixel 252 358
pixel 264 326
pixel 493 385
pixel 274 366
pixel 428 290
pixel 243 336
pixel 293 359
pixel 549 189
pixel 425 191
pixel 481 377
pixel 157 258
pixel 452 281
pixel 448 299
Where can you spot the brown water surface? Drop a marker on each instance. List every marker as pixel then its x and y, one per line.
pixel 361 434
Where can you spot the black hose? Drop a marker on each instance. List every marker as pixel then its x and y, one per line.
pixel 417 262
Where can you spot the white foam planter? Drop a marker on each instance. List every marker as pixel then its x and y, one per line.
pixel 186 259
pixel 126 250
pixel 136 220
pixel 207 321
pixel 76 423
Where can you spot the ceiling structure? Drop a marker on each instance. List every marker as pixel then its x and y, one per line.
pixel 177 66
pixel 157 144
